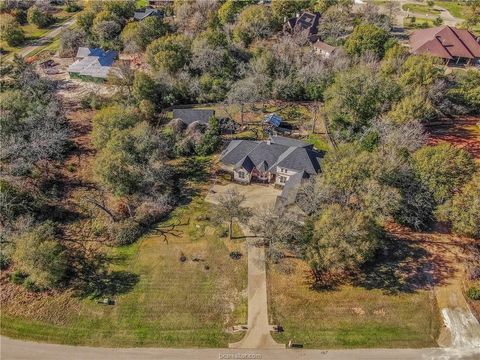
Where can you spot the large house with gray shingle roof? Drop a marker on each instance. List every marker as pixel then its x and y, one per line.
pixel 279 160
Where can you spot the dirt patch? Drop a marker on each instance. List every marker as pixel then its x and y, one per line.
pixel 460 131
pixel 447 254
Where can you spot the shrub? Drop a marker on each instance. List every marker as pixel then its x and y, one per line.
pixel 92 101
pixel 367 38
pixel 70 41
pixel 97 227
pixel 30 285
pixel 126 232
pixel 39 17
pixel 222 231
pixel 72 6
pixel 443 169
pixel 170 53
pixel 236 255
pixel 20 16
pixel 463 210
pixel 18 277
pixel 473 293
pixel 12 33
pixel 40 255
pixel 151 212
pixel 4 261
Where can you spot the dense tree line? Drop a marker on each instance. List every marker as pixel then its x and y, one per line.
pixel 19 13
pixel 377 99
pixel 35 138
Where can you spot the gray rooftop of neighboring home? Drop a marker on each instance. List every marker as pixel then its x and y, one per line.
pixel 143 13
pixel 268 155
pixel 189 116
pixel 93 62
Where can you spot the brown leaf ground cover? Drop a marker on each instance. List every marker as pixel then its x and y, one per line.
pixel 461 131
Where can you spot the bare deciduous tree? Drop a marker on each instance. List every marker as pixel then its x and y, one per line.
pixel 279 229
pixel 230 208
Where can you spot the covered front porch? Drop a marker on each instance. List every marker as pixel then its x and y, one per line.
pixel 255 176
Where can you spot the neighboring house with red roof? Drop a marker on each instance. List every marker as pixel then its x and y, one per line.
pixel 455 46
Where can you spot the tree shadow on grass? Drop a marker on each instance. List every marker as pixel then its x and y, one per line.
pixel 190 170
pixel 403 267
pixel 108 284
pixel 119 282
pixel 92 278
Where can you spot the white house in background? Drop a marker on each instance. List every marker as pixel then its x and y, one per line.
pixel 279 160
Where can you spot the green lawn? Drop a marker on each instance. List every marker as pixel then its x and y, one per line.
pixel 319 142
pixel 455 8
pixel 173 304
pixel 32 32
pixel 421 9
pixel 378 2
pixel 348 317
pixel 418 24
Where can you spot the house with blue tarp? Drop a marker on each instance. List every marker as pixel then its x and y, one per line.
pixel 273 120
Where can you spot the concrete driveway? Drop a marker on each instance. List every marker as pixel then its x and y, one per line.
pixel 258 335
pixel 256 195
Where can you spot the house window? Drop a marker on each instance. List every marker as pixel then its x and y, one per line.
pixel 283 170
pixel 241 175
pixel 283 179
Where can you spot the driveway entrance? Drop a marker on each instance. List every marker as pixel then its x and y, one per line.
pixel 258 335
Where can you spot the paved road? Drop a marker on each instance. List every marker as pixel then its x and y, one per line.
pixel 258 334
pixel 45 40
pixel 25 350
pixel 447 17
pixel 461 329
